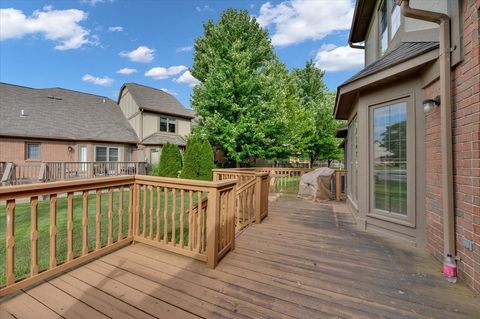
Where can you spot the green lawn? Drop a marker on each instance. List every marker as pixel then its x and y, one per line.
pixel 22 227
pixel 287 184
pixel 391 195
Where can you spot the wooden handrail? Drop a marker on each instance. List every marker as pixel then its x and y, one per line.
pixel 193 218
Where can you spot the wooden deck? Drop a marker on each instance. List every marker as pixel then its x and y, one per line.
pixel 305 260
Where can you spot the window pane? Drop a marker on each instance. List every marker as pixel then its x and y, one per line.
pixel 33 151
pixel 383 28
pixel 171 126
pixel 395 18
pixel 352 160
pixel 113 154
pixel 390 158
pixel 163 124
pixel 100 154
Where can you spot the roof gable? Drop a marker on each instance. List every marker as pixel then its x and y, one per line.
pixel 155 100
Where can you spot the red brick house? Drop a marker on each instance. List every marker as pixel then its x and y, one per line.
pixel 413 143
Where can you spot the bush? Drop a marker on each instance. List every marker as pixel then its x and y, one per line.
pixel 198 162
pixel 206 161
pixel 170 162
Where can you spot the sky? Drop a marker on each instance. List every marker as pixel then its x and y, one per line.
pixel 95 46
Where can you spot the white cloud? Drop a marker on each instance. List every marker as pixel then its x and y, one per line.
pixel 204 8
pixel 126 71
pixel 333 59
pixel 61 26
pixel 185 49
pixel 141 54
pixel 295 21
pixel 94 2
pixel 169 91
pixel 160 73
pixel 115 29
pixel 187 78
pixel 105 81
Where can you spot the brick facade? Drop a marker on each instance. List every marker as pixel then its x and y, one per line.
pixel 466 152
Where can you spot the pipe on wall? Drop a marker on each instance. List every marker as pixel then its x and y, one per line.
pixel 355 46
pixel 443 21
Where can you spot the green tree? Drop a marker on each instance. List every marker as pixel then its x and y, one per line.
pixel 206 161
pixel 191 158
pixel 318 102
pixel 229 60
pixel 170 163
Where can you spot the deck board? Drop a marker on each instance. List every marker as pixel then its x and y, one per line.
pixel 306 260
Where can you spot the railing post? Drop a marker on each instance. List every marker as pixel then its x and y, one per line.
pixel 9 169
pixel 258 198
pixel 338 185
pixel 212 227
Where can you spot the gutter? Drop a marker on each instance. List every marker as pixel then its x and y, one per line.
pixel 355 46
pixel 443 21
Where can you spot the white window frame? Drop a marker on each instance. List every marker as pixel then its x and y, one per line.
pixel 390 5
pixel 108 153
pixel 27 158
pixel 170 120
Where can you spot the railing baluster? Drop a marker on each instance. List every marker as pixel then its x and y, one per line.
pixel 53 231
pixel 98 213
pixel 85 224
pixel 34 236
pixel 174 216
pixel 137 210
pixel 199 223
pixel 110 216
pixel 10 242
pixel 120 213
pixel 190 219
pixel 150 233
pixel 69 226
pixel 165 217
pixel 159 195
pixel 182 208
pixel 130 211
pixel 144 212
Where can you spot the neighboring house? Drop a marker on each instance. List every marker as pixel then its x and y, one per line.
pixel 39 125
pixel 414 166
pixel 156 116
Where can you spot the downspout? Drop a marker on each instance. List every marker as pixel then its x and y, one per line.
pixel 355 46
pixel 443 21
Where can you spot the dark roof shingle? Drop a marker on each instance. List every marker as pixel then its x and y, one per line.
pixel 403 52
pixel 156 100
pixel 161 138
pixel 61 114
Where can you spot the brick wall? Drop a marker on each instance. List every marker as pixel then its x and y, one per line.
pixel 13 150
pixel 466 152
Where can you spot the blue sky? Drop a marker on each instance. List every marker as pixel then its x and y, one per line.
pixel 83 44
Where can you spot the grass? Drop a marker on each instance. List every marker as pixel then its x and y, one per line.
pixel 287 184
pixel 23 222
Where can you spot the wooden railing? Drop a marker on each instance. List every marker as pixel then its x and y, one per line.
pixel 16 174
pixel 251 194
pixel 340 184
pixel 51 227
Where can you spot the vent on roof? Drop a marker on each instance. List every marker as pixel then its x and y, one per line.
pixel 22 113
pixel 51 97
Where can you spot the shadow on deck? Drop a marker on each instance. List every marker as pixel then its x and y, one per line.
pixel 306 260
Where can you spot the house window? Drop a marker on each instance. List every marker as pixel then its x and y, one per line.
pixel 383 27
pixel 389 147
pixel 32 151
pixel 395 19
pixel 172 126
pixel 168 125
pixel 163 124
pixel 352 158
pixel 106 154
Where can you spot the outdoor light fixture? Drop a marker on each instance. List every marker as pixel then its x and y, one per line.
pixel 429 104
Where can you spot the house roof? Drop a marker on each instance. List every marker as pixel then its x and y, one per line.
pixel 361 20
pixel 405 60
pixel 155 100
pixel 161 138
pixel 57 113
pixel 405 51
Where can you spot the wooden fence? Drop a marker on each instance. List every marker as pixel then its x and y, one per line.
pixel 52 227
pixel 17 174
pixel 251 194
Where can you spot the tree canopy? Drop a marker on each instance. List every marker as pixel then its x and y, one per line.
pixel 170 162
